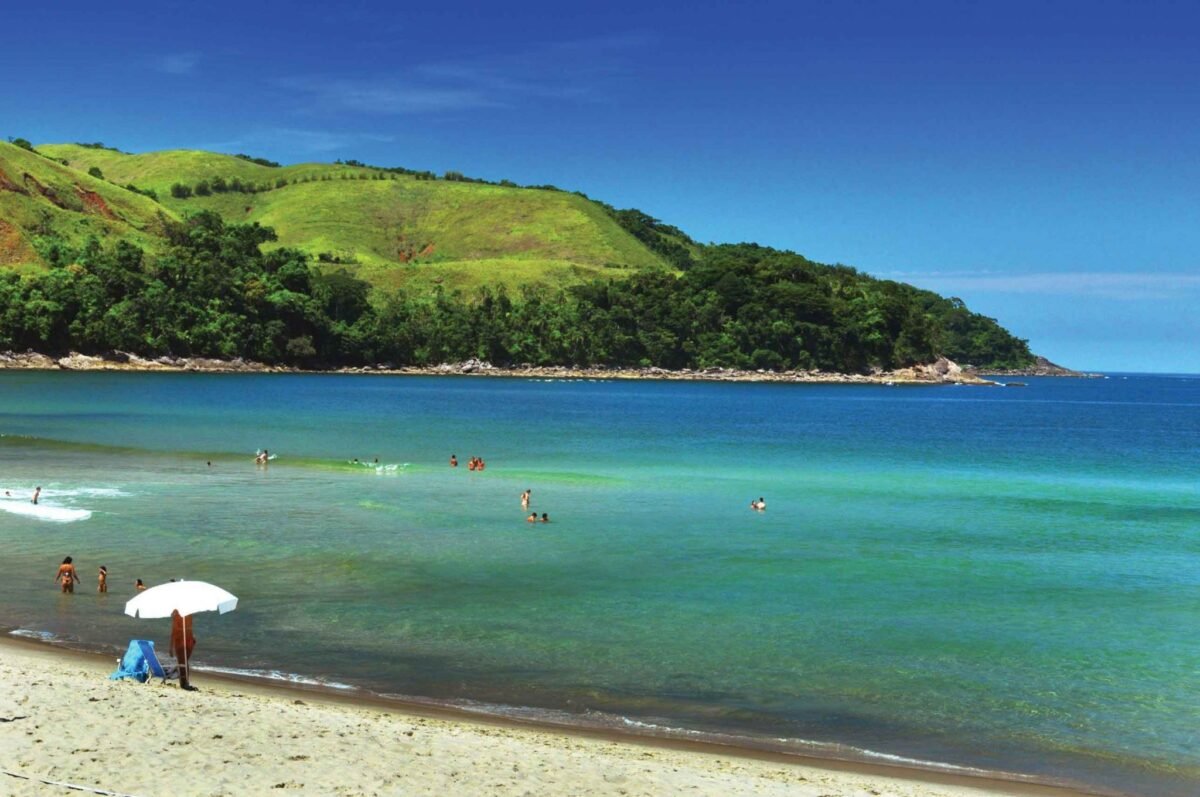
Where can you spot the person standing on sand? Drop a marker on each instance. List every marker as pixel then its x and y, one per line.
pixel 67 574
pixel 103 579
pixel 183 642
pixel 36 494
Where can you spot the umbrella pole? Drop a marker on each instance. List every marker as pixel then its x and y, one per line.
pixel 185 655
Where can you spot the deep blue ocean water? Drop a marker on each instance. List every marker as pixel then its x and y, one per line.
pixel 993 578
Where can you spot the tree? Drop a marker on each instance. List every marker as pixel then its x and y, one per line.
pixel 181 191
pixel 95 172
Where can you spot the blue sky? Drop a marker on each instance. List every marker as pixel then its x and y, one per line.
pixel 1039 160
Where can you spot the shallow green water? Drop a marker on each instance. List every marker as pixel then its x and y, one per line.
pixel 997 579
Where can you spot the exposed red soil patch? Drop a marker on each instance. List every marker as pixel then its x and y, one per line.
pixel 408 252
pixel 13 246
pixel 94 203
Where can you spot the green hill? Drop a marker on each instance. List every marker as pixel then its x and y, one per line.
pixel 334 264
pixel 391 229
pixel 48 210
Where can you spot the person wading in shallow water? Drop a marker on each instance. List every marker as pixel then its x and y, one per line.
pixel 67 574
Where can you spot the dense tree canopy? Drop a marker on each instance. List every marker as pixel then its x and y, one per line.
pixel 217 293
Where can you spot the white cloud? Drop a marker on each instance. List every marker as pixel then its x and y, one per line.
pixel 573 70
pixel 179 63
pixel 387 97
pixel 291 139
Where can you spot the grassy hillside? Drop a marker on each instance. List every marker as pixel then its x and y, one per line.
pixel 41 200
pixel 392 229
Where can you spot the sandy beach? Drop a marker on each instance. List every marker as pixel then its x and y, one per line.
pixel 63 722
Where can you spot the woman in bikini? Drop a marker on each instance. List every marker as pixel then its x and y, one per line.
pixel 67 574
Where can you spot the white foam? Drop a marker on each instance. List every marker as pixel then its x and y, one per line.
pixel 89 492
pixel 53 514
pixel 44 636
pixel 278 675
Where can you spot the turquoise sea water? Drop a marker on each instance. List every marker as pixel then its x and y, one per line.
pixel 1000 579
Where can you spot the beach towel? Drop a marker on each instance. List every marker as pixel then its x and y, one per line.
pixel 133 664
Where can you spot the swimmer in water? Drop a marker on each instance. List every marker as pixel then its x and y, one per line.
pixel 525 499
pixel 139 586
pixel 103 579
pixel 545 518
pixel 67 575
pixel 532 518
pixel 36 494
pixel 453 461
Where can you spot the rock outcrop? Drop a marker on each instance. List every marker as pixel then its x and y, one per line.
pixel 1040 367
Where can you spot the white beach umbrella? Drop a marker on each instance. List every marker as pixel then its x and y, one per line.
pixel 185 597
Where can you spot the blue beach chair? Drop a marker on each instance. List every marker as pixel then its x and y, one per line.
pixel 141 663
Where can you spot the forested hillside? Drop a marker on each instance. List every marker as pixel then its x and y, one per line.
pixel 216 292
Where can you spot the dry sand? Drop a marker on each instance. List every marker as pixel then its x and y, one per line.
pixel 62 720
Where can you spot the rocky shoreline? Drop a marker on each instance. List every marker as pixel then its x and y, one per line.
pixel 941 372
